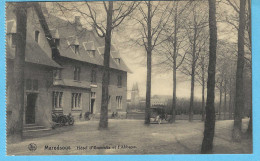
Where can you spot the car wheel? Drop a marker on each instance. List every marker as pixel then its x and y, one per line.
pixel 71 121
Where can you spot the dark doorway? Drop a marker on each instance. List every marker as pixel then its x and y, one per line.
pixel 30 108
pixel 92 105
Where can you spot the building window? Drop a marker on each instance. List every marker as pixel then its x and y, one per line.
pixel 119 102
pixel 93 94
pixel 76 49
pixel 93 76
pixel 57 99
pixel 76 100
pixel 31 85
pixel 119 80
pixel 36 35
pixel 57 74
pixel 77 73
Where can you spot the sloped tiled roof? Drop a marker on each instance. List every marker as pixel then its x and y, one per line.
pixel 33 54
pixel 86 39
pixel 89 45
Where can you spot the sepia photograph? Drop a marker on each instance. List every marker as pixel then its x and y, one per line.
pixel 128 77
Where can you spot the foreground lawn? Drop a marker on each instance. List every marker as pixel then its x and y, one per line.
pixel 133 137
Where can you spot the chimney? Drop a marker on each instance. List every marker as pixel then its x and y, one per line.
pixel 78 23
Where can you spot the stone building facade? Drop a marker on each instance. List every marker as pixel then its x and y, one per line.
pixel 63 71
pixel 37 73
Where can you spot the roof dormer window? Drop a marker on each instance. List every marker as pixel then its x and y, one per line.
pixel 117 60
pixel 92 53
pixel 36 35
pixel 76 49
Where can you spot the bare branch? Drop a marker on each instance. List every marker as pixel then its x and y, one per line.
pixel 95 25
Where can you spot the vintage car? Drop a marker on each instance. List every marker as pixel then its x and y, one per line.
pixel 158 115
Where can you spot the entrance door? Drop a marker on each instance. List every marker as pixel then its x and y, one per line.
pixel 92 105
pixel 30 109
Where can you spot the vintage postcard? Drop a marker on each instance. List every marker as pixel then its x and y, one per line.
pixel 130 78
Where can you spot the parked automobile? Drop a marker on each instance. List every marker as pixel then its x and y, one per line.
pixel 62 120
pixel 70 119
pixel 158 114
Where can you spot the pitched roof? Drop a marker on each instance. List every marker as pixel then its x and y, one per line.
pixel 33 53
pixel 87 40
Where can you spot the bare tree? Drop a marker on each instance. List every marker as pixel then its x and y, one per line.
pixel 103 17
pixel 209 128
pixel 231 86
pixel 197 38
pixel 239 100
pixel 153 18
pixel 116 13
pixel 115 16
pixel 201 77
pixel 224 73
pixel 223 87
pixel 234 20
pixel 221 79
pixel 172 51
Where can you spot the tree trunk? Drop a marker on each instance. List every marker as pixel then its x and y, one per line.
pixel 192 75
pixel 225 99
pixel 203 99
pixel 191 98
pixel 209 128
pixel 230 99
pixel 174 68
pixel 103 122
pixel 19 62
pixel 203 89
pixel 174 95
pixel 239 100
pixel 149 67
pixel 220 102
pixel 249 129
